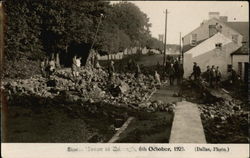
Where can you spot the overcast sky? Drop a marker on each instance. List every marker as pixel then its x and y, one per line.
pixel 185 16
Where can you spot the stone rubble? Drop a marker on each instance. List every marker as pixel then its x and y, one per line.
pixel 224 117
pixel 93 85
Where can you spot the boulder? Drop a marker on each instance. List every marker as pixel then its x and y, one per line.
pixel 51 83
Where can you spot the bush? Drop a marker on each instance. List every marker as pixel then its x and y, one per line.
pixel 21 69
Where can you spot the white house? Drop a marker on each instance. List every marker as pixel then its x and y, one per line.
pixel 215 42
pixel 213 51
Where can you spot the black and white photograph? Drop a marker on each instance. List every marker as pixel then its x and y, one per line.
pixel 76 71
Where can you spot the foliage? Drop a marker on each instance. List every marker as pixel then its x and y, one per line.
pixel 41 28
pixel 153 43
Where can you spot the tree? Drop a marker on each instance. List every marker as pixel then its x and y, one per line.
pixel 154 43
pixel 132 22
pixel 66 27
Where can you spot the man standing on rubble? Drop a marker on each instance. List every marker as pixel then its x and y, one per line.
pixel 207 74
pixel 138 71
pixel 212 76
pixel 180 74
pixel 43 66
pixel 176 70
pixel 78 66
pixel 167 67
pixel 46 67
pixel 233 76
pixel 218 76
pixel 171 74
pixel 111 69
pixel 157 78
pixel 196 72
pixel 74 67
pixel 52 67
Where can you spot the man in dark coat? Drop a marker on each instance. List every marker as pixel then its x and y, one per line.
pixel 171 73
pixel 196 72
pixel 180 74
pixel 207 74
pixel 111 69
pixel 218 76
pixel 212 76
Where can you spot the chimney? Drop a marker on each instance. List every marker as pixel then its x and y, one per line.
pixel 223 18
pixel 214 15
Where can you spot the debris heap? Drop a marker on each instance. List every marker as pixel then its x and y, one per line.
pixel 224 118
pixel 91 84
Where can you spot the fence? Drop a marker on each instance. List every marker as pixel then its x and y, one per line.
pixel 127 51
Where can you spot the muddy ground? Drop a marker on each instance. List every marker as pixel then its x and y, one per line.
pixel 154 128
pixel 34 119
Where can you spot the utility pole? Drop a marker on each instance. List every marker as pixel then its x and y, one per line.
pixel 165 39
pixel 182 53
pixel 181 57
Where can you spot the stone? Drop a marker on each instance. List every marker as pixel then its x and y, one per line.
pixel 236 108
pixel 124 87
pixel 51 83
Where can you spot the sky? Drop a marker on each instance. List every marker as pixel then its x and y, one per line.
pixel 185 16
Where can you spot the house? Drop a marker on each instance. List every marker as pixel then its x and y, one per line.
pixel 173 50
pixel 240 58
pixel 215 42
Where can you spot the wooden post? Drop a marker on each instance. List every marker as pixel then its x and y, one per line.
pixel 4 107
pixel 165 39
pixel 182 53
pixel 181 57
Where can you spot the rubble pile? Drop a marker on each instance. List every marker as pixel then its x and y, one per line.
pixel 94 85
pixel 157 105
pixel 225 121
pixel 224 118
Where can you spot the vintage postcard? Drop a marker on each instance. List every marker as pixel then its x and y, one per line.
pixel 124 78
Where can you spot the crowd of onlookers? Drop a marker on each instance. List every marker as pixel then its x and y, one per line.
pixel 212 75
pixel 172 70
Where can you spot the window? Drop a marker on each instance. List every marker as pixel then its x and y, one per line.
pixel 218 45
pixel 193 39
pixel 235 38
pixel 229 68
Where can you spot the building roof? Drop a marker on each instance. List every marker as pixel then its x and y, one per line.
pixel 209 45
pixel 189 46
pixel 244 50
pixel 242 28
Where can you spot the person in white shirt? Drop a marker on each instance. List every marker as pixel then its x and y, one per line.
pixel 78 65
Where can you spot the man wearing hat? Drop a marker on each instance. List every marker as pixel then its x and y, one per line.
pixel 196 72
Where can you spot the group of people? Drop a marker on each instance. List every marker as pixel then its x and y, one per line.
pixel 175 71
pixel 48 67
pixel 212 75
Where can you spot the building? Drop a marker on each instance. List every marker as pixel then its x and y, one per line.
pixel 217 42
